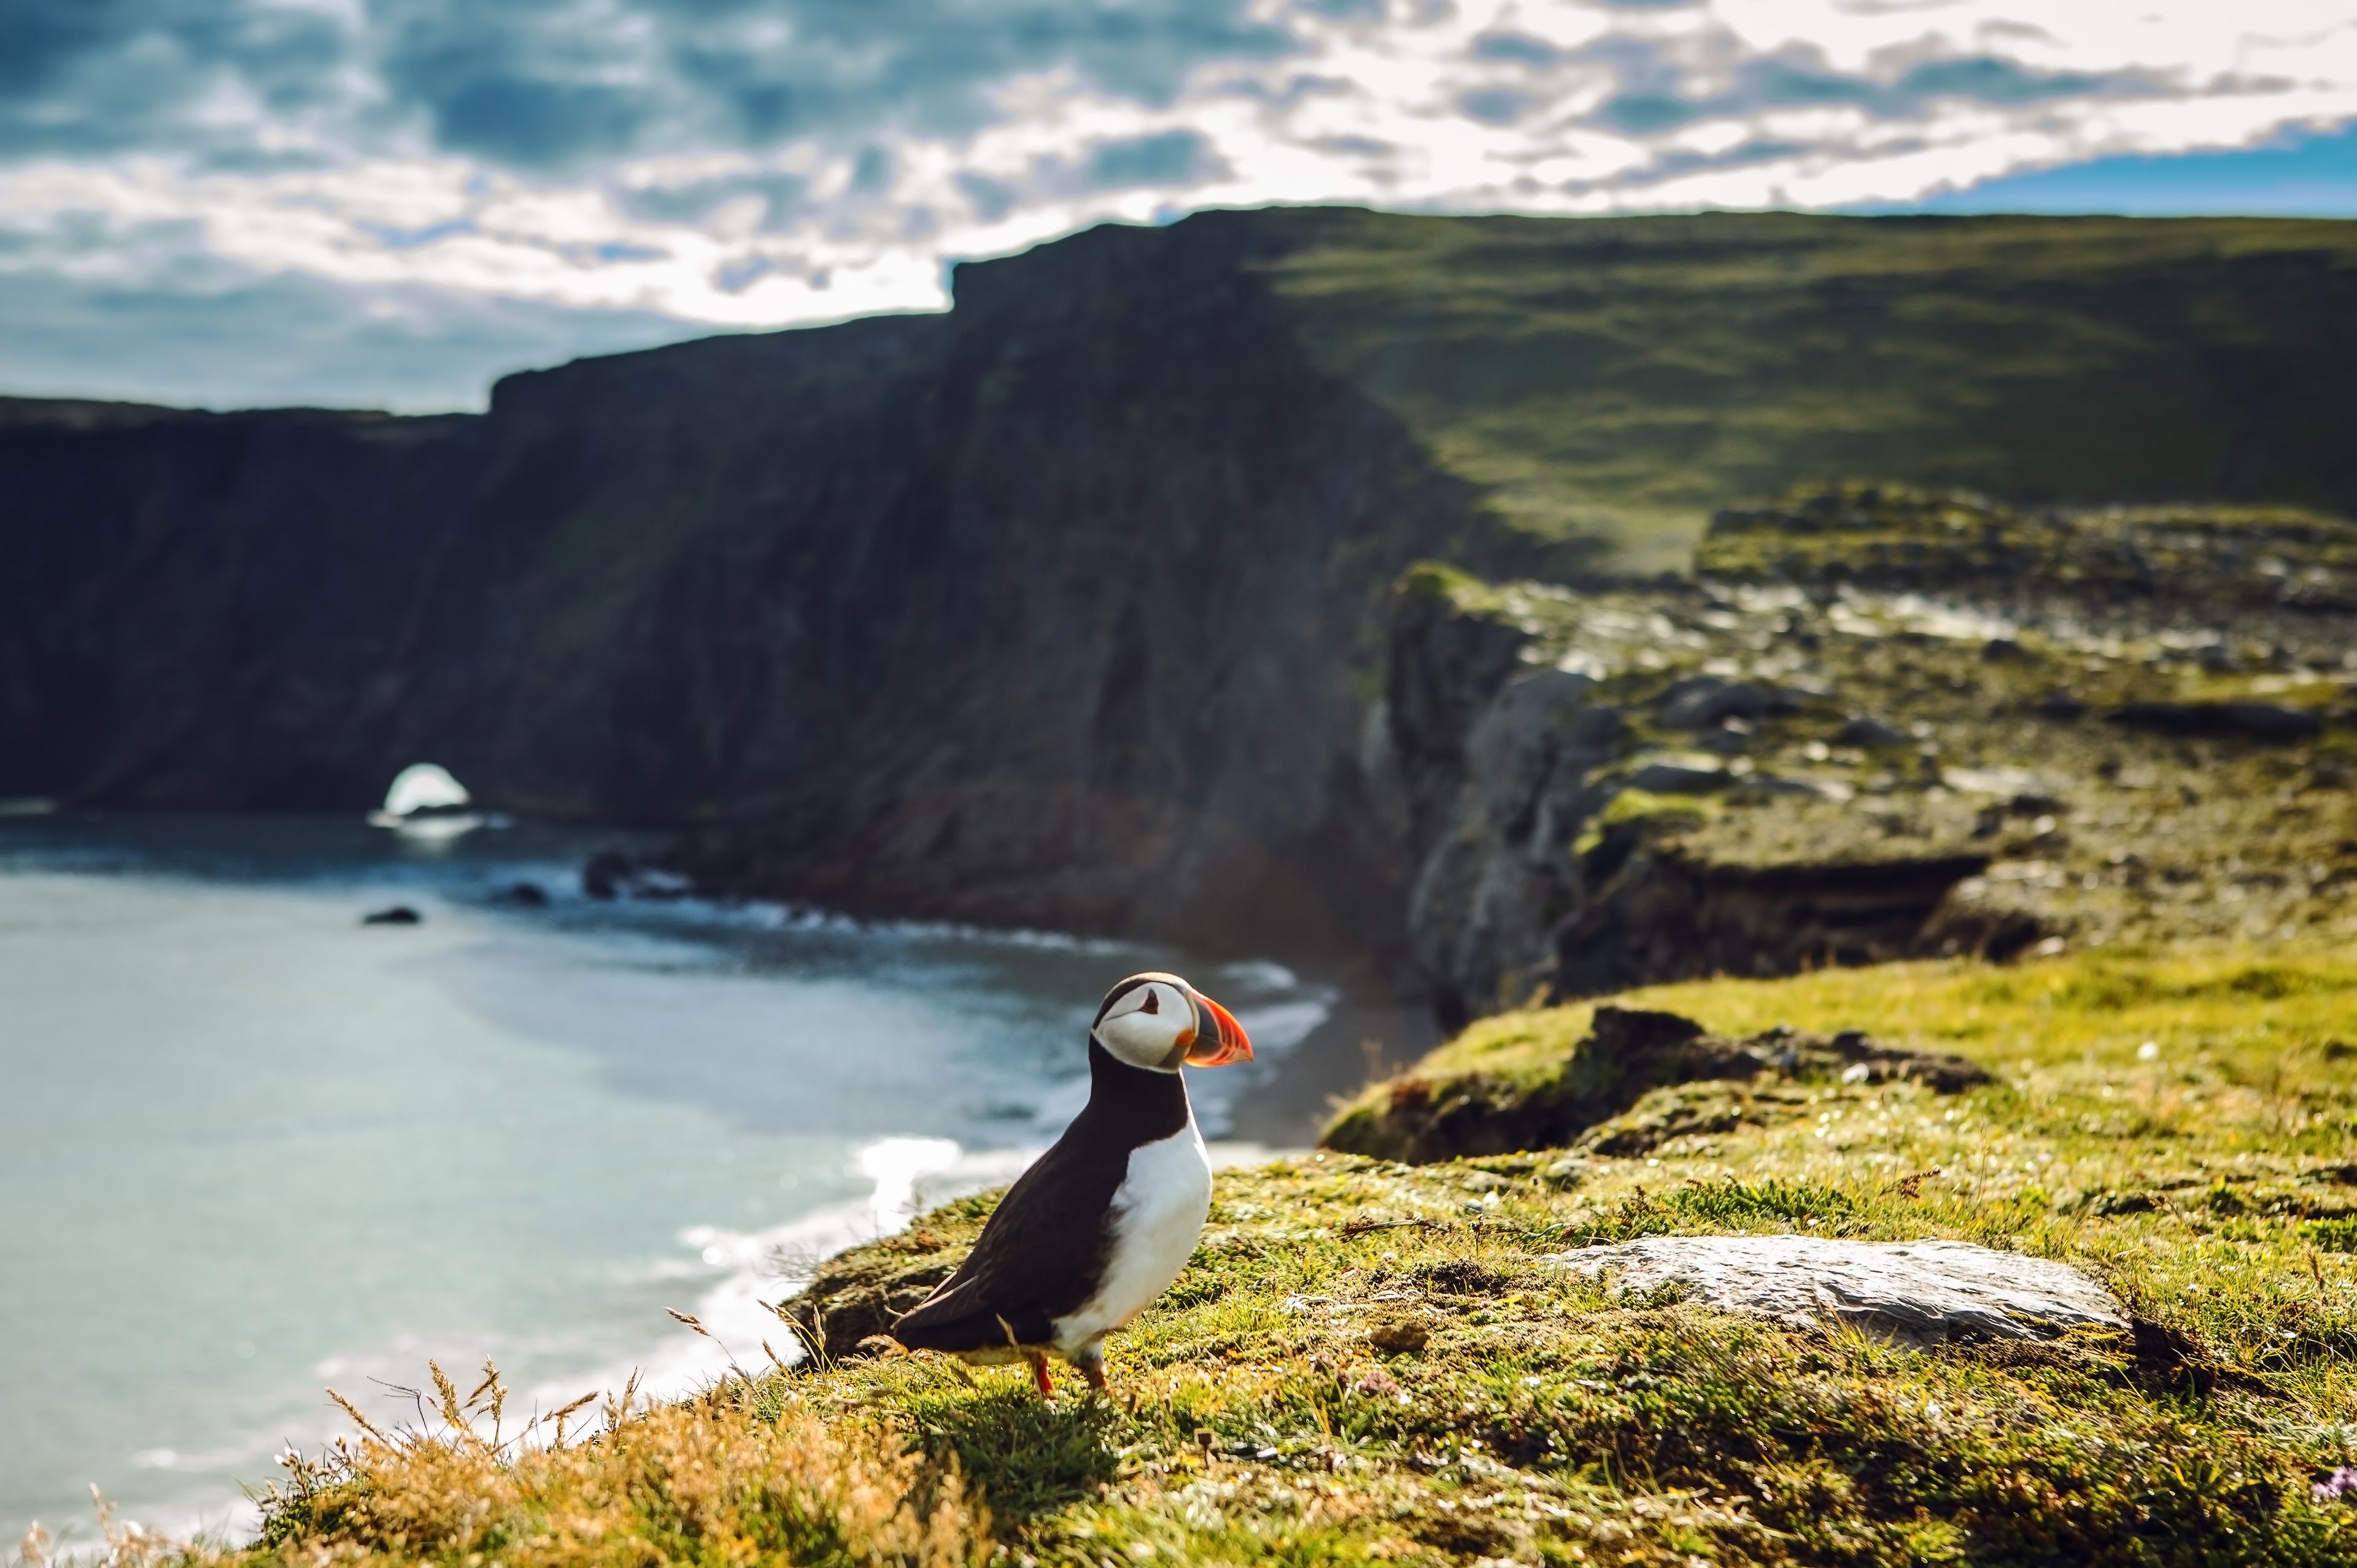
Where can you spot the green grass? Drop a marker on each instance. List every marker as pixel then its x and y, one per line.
pixel 2280 1011
pixel 1616 379
pixel 1546 1418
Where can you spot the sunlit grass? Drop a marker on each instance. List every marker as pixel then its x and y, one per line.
pixel 1516 1411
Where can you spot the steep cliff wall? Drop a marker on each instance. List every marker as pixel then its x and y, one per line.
pixel 1049 611
pixel 1067 608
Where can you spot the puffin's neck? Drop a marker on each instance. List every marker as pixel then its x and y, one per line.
pixel 1145 1105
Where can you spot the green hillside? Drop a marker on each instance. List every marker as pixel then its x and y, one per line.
pixel 1624 377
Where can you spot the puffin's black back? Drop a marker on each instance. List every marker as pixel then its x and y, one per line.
pixel 1045 1247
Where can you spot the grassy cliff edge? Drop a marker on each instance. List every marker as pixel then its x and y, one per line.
pixel 1370 1361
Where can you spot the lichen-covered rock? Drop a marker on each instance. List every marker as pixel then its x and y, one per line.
pixel 1658 783
pixel 1627 1054
pixel 857 1294
pixel 1698 702
pixel 1919 1292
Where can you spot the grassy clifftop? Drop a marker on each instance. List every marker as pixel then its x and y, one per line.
pixel 1367 1361
pixel 1621 378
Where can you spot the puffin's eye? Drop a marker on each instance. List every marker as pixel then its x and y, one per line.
pixel 1152 1001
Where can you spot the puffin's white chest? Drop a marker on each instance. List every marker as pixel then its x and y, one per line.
pixel 1158 1215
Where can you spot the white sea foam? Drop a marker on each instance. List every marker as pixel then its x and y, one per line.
pixel 759 1268
pixel 1259 973
pixel 763 913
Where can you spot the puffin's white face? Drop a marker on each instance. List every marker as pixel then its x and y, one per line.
pixel 1158 1021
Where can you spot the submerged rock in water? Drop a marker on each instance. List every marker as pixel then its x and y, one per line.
pixel 605 872
pixel 610 873
pixel 396 915
pixel 1919 1292
pixel 523 896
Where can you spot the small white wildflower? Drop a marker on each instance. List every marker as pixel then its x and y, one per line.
pixel 2149 1051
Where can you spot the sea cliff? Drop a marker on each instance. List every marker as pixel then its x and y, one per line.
pixel 1071 607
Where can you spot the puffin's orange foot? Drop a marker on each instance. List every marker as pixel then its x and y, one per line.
pixel 1094 1373
pixel 1040 1375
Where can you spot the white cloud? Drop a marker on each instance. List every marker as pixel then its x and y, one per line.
pixel 488 164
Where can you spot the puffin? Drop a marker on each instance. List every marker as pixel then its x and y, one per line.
pixel 1103 1222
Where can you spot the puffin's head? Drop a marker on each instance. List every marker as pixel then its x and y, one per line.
pixel 1158 1021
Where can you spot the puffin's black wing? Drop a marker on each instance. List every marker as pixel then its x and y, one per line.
pixel 1040 1255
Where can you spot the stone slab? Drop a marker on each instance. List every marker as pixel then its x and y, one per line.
pixel 1923 1292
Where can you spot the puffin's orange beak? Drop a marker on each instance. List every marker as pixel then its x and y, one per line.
pixel 1231 1044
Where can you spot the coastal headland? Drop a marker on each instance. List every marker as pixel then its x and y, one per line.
pixel 1851 724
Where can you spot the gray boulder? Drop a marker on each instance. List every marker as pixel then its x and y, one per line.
pixel 1699 702
pixel 1680 775
pixel 1918 1292
pixel 1865 729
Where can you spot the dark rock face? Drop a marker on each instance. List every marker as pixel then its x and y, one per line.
pixel 1661 915
pixel 1045 612
pixel 2257 721
pixel 1530 887
pixel 1491 891
pixel 229 611
pixel 1094 671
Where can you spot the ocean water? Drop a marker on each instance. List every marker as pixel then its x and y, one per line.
pixel 251 1148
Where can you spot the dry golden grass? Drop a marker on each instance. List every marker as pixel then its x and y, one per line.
pixel 728 1477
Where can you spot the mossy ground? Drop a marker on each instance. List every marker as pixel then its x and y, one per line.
pixel 1997 691
pixel 1517 1413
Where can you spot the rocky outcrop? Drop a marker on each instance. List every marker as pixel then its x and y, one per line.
pixel 1538 805
pixel 1777 767
pixel 859 1295
pixel 2257 721
pixel 1581 1097
pixel 1917 1293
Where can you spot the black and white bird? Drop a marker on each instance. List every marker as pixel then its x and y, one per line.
pixel 1105 1220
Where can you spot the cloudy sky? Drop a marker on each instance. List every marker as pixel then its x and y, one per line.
pixel 389 202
